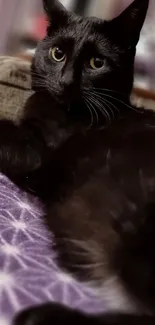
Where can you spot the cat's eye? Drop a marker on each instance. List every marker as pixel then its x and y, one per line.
pixel 96 63
pixel 57 54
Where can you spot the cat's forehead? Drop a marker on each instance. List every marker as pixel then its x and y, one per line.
pixel 81 29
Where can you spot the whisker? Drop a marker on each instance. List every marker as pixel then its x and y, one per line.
pixel 101 109
pixel 52 89
pixel 87 246
pixel 115 107
pixel 88 266
pixel 122 102
pixel 40 81
pixel 106 89
pixel 34 73
pixel 91 114
pixel 106 102
pixel 97 104
pixel 93 108
pixel 43 78
pixel 114 98
pixel 99 96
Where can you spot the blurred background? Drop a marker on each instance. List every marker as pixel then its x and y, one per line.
pixel 23 24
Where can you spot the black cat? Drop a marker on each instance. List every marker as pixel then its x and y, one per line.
pixel 89 154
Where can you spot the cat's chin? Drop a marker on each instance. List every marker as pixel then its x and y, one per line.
pixel 60 100
pixel 66 99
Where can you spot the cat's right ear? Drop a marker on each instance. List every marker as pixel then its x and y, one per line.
pixel 56 13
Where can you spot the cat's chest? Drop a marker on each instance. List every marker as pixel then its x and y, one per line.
pixel 126 157
pixel 117 299
pixel 130 168
pixel 120 156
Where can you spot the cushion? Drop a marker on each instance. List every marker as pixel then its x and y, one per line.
pixel 15 87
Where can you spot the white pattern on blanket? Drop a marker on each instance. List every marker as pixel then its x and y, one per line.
pixel 28 271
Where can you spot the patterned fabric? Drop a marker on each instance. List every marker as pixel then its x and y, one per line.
pixel 28 271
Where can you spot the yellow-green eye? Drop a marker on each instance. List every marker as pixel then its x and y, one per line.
pixel 57 54
pixel 96 63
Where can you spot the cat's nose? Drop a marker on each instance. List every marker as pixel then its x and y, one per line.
pixel 66 85
pixel 67 81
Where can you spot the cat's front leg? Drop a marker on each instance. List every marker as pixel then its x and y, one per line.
pixel 51 314
pixel 21 148
pixel 54 314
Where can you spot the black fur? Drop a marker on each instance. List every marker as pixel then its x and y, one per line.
pixel 58 315
pixel 90 156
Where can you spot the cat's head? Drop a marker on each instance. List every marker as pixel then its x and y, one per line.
pixel 82 55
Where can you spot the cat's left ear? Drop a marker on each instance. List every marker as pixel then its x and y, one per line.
pixel 129 23
pixel 56 12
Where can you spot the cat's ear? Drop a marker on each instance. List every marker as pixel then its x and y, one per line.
pixel 56 13
pixel 130 22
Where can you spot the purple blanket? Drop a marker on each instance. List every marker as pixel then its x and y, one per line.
pixel 28 271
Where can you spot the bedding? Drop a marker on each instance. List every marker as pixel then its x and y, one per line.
pixel 29 274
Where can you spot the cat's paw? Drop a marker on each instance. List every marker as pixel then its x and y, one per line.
pixel 48 314
pixel 29 317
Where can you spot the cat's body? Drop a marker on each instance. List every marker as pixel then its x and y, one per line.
pixel 95 178
pixel 92 176
pixel 90 155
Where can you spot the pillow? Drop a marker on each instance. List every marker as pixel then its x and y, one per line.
pixel 15 87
